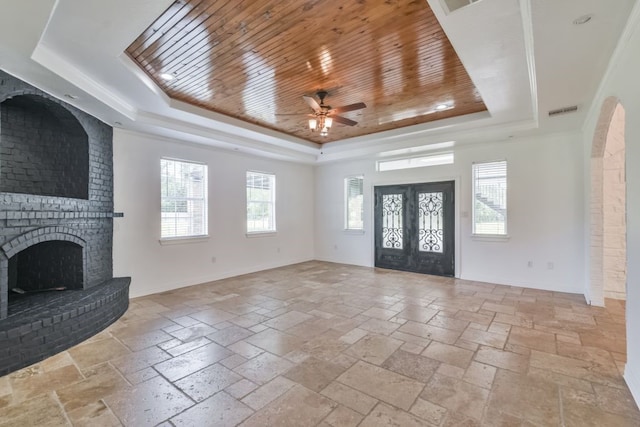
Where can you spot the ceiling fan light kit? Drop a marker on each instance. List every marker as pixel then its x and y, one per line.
pixel 322 122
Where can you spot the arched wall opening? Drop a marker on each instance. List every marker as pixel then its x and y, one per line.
pixel 608 206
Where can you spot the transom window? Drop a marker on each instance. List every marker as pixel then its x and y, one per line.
pixel 183 199
pixel 490 198
pixel 261 202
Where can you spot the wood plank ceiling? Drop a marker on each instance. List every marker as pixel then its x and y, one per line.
pixel 254 60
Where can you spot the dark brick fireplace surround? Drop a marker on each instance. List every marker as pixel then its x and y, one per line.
pixel 56 226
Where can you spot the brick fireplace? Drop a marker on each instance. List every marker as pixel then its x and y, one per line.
pixel 56 217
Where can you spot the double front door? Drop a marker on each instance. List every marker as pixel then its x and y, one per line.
pixel 414 227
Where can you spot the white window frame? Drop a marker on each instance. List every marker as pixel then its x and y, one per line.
pixel 204 200
pixel 271 203
pixel 347 225
pixel 474 178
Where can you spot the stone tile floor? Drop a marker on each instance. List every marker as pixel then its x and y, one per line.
pixel 334 345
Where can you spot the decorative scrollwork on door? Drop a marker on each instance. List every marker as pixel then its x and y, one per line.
pixel 392 221
pixel 430 222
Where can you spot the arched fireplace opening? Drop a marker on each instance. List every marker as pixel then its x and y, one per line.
pixel 48 266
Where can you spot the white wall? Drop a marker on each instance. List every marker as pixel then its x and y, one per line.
pixel 622 82
pixel 155 267
pixel 545 216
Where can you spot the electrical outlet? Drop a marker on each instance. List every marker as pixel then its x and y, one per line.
pixel 530 264
pixel 213 260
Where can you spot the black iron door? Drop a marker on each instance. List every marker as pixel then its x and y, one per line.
pixel 414 227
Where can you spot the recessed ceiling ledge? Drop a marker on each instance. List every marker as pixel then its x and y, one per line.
pixel 464 136
pixel 218 138
pixel 233 126
pixel 54 62
pixel 143 77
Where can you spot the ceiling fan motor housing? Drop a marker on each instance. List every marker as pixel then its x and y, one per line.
pixel 321 94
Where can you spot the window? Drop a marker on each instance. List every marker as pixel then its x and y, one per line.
pixel 415 162
pixel 353 195
pixel 261 202
pixel 490 198
pixel 183 199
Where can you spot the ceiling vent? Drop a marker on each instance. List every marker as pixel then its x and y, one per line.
pixel 565 110
pixel 452 5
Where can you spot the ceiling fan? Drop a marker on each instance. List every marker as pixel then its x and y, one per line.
pixel 323 115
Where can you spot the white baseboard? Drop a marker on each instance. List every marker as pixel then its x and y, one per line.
pixel 544 286
pixel 632 377
pixel 163 287
pixel 338 261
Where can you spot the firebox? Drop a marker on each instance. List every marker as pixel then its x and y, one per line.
pixel 48 266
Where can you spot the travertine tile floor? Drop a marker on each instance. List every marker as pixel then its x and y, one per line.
pixel 333 345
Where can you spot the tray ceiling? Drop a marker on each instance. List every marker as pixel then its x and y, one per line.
pixel 255 60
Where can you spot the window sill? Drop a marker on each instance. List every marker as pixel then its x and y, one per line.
pixel 183 240
pixel 255 234
pixel 490 237
pixel 353 231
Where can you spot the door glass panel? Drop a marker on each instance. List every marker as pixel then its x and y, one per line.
pixel 430 222
pixel 392 221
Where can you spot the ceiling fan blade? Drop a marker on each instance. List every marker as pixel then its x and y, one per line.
pixel 312 103
pixel 350 107
pixel 344 120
